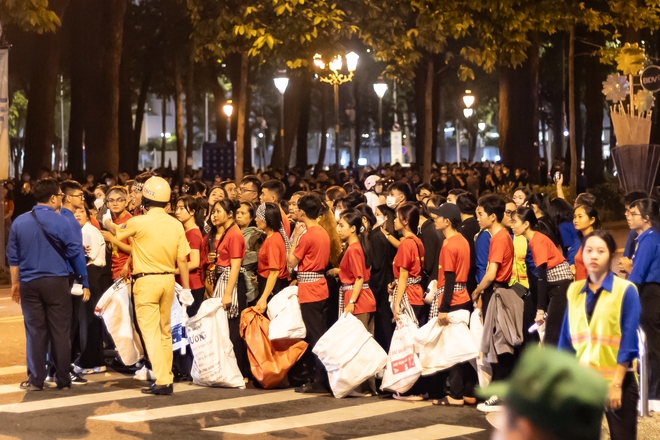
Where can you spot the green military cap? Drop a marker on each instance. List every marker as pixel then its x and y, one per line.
pixel 555 393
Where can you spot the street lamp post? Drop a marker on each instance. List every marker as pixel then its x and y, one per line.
pixel 228 109
pixel 281 83
pixel 468 100
pixel 334 77
pixel 380 88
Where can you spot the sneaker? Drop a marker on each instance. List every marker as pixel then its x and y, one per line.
pixel 76 379
pixel 491 405
pixel 144 374
pixel 79 370
pixel 403 398
pixel 50 381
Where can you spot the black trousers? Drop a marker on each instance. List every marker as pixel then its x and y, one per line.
pixel 280 284
pixel 649 296
pixel 383 324
pixel 462 380
pixel 623 421
pixel 46 306
pixel 91 326
pixel 182 363
pixel 309 368
pixel 557 304
pixel 240 349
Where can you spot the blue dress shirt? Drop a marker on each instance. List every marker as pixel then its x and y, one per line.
pixel 481 250
pixel 646 259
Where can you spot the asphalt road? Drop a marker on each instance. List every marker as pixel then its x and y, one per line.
pixel 111 406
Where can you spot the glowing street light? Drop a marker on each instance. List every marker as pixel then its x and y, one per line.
pixel 380 88
pixel 468 99
pixel 228 110
pixel 281 83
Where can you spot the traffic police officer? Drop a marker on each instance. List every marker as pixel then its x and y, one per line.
pixel 159 245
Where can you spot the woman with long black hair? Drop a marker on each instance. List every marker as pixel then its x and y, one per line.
pixel 554 273
pixel 190 212
pixel 226 249
pixel 272 274
pixel 586 221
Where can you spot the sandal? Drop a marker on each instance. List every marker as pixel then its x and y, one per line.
pixel 470 401
pixel 445 402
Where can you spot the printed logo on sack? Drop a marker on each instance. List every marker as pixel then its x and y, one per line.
pixel 403 365
pixel 197 338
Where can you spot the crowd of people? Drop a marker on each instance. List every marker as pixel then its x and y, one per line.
pixel 368 243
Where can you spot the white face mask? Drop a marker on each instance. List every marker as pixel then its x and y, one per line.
pixel 380 220
pixel 337 214
pixel 391 201
pixel 98 203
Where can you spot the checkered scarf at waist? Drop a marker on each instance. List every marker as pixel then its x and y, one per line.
pixel 404 305
pixel 222 274
pixel 345 288
pixel 309 277
pixel 561 272
pixel 458 287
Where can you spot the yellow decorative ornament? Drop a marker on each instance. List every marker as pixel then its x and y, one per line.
pixel 631 59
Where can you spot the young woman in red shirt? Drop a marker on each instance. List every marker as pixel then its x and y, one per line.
pixel 190 212
pixel 407 266
pixel 272 274
pixel 554 274
pixel 585 220
pixel 226 249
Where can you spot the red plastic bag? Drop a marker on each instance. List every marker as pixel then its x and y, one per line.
pixel 269 364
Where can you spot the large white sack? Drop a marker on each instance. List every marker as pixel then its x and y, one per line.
pixel 285 317
pixel 350 354
pixel 214 360
pixel 115 309
pixel 441 347
pixel 483 368
pixel 403 367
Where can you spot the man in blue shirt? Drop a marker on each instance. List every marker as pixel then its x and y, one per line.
pixel 40 282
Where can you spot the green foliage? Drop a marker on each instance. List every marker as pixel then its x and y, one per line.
pixel 32 15
pixel 17 113
pixel 608 200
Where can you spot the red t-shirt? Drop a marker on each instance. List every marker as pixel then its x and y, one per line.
pixel 352 267
pixel 455 257
pixel 119 258
pixel 196 241
pixel 313 251
pixel 272 255
pixel 409 256
pixel 580 268
pixel 544 251
pixel 501 252
pixel 232 246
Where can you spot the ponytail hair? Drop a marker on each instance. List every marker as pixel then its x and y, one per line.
pixel 526 214
pixel 192 203
pixel 353 218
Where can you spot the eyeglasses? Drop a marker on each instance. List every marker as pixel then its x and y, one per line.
pixel 119 200
pixel 509 213
pixel 59 195
pixel 632 214
pixel 81 196
pixel 242 189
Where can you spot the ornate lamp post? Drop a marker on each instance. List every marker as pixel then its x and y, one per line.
pixel 281 83
pixel 331 73
pixel 228 109
pixel 380 88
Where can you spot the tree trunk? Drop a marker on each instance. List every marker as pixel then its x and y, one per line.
pixel 241 117
pixel 572 109
pixel 420 107
pixel 428 121
pixel 40 123
pixel 303 125
pixel 139 120
pixel 178 120
pixel 594 102
pixel 518 124
pixel 442 144
pixel 324 134
pixel 102 122
pixel 190 117
pixel 125 112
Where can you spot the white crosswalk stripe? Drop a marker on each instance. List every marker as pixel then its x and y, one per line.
pixel 114 401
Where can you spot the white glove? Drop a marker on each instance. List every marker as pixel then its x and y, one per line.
pixel 106 217
pixel 185 297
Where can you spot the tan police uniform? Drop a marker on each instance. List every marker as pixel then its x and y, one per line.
pixel 157 240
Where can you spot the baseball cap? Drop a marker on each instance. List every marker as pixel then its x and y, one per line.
pixel 555 393
pixel 448 211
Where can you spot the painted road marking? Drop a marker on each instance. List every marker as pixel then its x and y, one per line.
pixel 16 369
pixel 11 319
pixel 204 407
pixel 317 418
pixel 63 402
pixel 103 377
pixel 427 433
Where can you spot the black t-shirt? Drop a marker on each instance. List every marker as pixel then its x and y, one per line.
pixel 381 264
pixel 432 245
pixel 468 229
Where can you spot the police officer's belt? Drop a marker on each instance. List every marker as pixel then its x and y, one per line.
pixel 140 275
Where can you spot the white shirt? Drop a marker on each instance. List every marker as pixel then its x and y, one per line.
pixel 372 200
pixel 93 238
